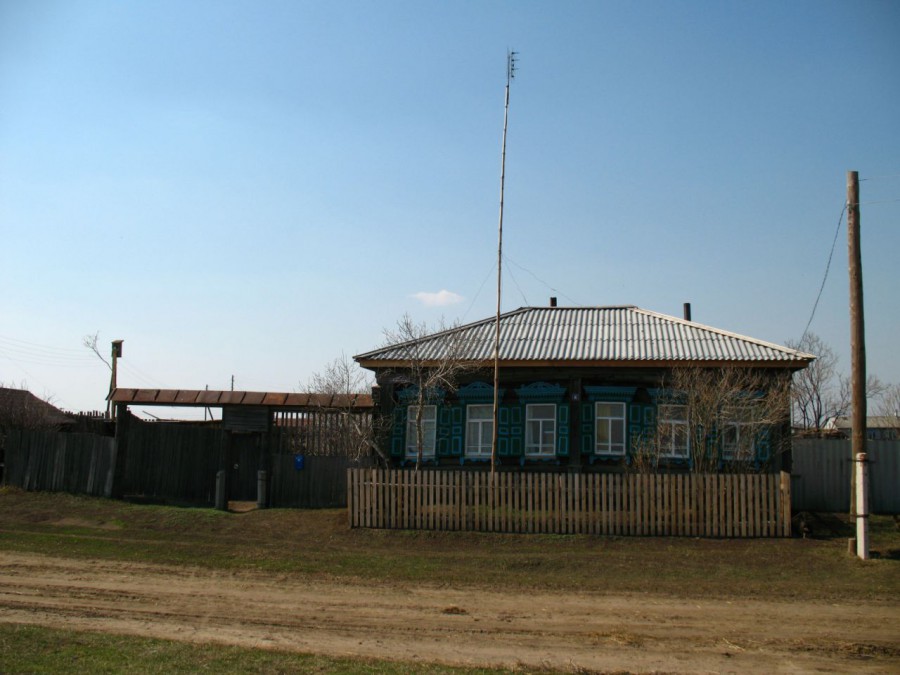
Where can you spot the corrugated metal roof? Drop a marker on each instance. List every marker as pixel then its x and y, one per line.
pixel 625 334
pixel 202 398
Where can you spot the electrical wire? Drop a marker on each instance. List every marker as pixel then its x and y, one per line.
pixel 885 175
pixel 880 201
pixel 825 277
pixel 525 269
pixel 515 281
pixel 478 292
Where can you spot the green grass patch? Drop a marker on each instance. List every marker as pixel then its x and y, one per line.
pixel 33 649
pixel 320 543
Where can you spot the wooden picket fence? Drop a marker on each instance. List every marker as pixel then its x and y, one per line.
pixel 694 505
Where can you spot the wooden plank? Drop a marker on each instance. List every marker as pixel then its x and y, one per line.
pixel 785 493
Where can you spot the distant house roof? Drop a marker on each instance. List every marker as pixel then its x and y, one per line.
pixel 19 406
pixel 591 336
pixel 202 398
pixel 875 422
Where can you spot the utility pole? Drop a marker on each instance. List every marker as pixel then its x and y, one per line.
pixel 857 334
pixel 510 75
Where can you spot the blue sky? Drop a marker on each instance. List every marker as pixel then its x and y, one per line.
pixel 250 188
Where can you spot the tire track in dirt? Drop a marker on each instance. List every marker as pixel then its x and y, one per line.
pixel 426 623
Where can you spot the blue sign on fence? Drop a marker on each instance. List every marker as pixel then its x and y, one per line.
pixel 299 462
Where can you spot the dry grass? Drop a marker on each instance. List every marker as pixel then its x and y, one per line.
pixel 319 542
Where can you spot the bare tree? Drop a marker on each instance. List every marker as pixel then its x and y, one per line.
pixel 337 389
pixel 814 396
pixel 721 416
pixel 90 341
pixel 820 393
pixel 889 407
pixel 433 360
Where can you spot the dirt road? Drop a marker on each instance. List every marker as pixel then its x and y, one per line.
pixel 635 633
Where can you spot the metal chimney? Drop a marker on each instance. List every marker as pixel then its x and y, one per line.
pixel 687 311
pixel 553 302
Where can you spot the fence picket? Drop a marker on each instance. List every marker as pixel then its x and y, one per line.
pixel 709 505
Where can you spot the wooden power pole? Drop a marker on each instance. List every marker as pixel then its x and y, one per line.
pixel 857 333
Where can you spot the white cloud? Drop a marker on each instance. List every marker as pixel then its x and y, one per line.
pixel 440 299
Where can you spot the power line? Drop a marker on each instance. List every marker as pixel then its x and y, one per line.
pixel 880 201
pixel 885 175
pixel 824 278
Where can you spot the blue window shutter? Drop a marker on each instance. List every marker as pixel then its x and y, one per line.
pixel 587 429
pixel 515 414
pixel 456 431
pixel 562 430
pixel 443 430
pixel 398 432
pixel 763 445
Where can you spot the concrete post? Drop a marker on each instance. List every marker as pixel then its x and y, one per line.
pixel 862 506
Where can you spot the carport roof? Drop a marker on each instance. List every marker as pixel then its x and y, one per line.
pixel 207 398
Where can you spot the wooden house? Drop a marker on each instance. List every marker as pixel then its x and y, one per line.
pixel 581 389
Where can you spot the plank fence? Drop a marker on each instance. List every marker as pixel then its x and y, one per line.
pixel 71 462
pixel 695 505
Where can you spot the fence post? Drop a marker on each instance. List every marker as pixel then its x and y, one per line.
pixel 261 489
pixel 785 495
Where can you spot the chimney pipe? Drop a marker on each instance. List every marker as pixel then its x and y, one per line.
pixel 553 302
pixel 687 311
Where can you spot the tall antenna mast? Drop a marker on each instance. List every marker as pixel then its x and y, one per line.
pixel 510 75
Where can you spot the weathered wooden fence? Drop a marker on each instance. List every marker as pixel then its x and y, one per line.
pixel 62 462
pixel 171 461
pixel 178 463
pixel 697 505
pixel 821 475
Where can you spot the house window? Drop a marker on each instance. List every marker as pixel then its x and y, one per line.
pixel 610 428
pixel 673 431
pixel 540 429
pixel 429 431
pixel 479 430
pixel 738 436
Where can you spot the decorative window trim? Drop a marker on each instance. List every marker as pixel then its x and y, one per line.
pixel 478 392
pixel 482 422
pixel 411 394
pixel 609 449
pixel 610 394
pixel 411 450
pixel 541 392
pixel 542 451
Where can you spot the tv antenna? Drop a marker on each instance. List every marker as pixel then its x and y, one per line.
pixel 510 75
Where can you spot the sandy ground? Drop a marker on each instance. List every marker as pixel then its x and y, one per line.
pixel 632 633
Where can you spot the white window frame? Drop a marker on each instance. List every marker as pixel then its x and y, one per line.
pixel 739 421
pixel 479 430
pixel 611 447
pixel 537 447
pixel 429 431
pixel 669 431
